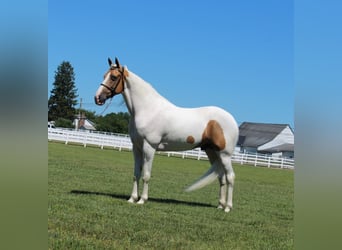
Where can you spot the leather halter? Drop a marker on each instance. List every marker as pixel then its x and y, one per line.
pixel 119 79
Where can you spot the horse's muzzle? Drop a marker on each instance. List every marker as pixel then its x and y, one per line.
pixel 99 100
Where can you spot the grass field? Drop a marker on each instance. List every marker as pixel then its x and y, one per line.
pixel 87 207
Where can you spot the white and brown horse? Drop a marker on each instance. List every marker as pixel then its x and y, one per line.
pixel 157 124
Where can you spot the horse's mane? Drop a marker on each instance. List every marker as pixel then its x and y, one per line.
pixel 146 85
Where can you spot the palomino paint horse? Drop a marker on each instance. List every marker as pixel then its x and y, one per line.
pixel 157 124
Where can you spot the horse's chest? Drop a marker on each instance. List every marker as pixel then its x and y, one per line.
pixel 150 134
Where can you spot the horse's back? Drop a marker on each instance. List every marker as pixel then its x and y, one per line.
pixel 217 118
pixel 224 118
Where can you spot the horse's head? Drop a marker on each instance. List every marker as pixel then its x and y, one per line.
pixel 113 82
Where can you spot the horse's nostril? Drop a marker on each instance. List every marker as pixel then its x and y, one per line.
pixel 102 99
pixel 99 100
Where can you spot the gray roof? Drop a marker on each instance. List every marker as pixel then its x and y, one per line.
pixel 256 134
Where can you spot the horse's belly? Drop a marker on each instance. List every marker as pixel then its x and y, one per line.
pixel 174 146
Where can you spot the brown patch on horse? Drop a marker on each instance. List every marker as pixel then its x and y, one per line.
pixel 115 72
pixel 213 136
pixel 120 87
pixel 190 139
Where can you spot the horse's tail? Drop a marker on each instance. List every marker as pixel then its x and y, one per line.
pixel 207 178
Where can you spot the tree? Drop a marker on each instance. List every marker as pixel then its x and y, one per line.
pixel 64 123
pixel 63 96
pixel 113 122
pixel 91 115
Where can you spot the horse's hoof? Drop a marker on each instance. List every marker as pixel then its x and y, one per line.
pixel 141 202
pixel 220 206
pixel 131 200
pixel 227 209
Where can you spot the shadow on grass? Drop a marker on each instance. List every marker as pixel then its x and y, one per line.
pixel 151 199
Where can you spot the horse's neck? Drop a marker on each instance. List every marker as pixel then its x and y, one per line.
pixel 140 96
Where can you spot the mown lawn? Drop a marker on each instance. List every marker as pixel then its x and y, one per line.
pixel 87 207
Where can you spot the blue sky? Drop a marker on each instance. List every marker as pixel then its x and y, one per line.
pixel 237 55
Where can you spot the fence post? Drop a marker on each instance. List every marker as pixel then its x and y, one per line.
pixel 85 141
pixel 120 145
pixel 115 144
pixel 256 160
pixel 282 162
pixel 199 155
pixel 101 141
pixel 67 137
pixel 269 161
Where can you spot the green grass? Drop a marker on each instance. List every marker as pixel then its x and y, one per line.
pixel 87 207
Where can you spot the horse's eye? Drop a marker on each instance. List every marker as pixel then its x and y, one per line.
pixel 113 77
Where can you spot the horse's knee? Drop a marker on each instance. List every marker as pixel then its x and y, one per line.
pixel 222 179
pixel 146 177
pixel 231 178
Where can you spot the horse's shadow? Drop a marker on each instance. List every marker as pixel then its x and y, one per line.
pixel 151 199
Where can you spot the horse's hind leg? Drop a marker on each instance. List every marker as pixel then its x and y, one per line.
pixel 223 190
pixel 137 173
pixel 213 157
pixel 230 178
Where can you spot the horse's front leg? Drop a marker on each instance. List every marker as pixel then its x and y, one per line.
pixel 148 155
pixel 138 162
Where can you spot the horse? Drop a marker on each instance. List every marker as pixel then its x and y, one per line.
pixel 158 125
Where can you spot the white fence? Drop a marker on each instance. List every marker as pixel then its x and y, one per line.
pixel 121 141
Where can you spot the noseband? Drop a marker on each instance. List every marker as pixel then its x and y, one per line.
pixel 113 89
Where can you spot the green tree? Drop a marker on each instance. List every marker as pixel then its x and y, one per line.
pixel 91 115
pixel 64 123
pixel 113 122
pixel 63 96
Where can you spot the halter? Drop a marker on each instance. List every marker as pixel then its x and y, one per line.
pixel 113 89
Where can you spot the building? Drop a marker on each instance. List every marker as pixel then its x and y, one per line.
pixel 81 122
pixel 274 139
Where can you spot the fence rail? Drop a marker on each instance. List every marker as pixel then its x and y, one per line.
pixel 122 141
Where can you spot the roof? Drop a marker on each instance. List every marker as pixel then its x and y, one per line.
pixel 84 123
pixel 256 134
pixel 88 125
pixel 286 147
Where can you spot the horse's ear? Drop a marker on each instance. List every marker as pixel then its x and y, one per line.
pixel 110 62
pixel 117 62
